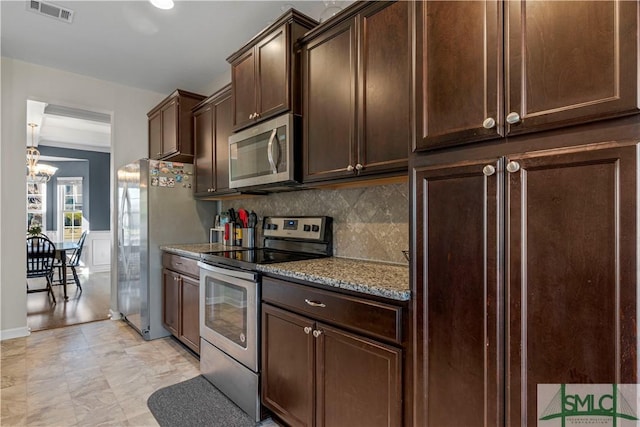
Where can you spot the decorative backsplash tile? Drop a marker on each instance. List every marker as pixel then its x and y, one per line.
pixel 369 223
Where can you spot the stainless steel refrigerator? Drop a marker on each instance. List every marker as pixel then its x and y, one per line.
pixel 155 207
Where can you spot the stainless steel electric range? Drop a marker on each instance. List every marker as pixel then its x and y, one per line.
pixel 230 303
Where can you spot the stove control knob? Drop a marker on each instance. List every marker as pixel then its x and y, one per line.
pixel 307 227
pixel 315 228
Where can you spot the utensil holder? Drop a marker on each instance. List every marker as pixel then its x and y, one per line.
pixel 248 237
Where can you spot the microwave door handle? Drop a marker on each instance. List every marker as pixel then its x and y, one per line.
pixel 272 162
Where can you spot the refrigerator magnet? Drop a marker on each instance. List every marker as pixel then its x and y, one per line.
pixel 154 181
pixel 163 181
pixel 171 182
pixel 178 178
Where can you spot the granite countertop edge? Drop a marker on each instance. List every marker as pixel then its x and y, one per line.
pixel 292 270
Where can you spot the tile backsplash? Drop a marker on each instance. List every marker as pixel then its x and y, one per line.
pixel 370 223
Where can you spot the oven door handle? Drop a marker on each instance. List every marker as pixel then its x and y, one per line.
pixel 270 156
pixel 245 275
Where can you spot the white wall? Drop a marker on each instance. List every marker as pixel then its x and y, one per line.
pixel 21 81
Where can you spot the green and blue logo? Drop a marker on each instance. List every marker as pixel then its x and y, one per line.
pixel 589 404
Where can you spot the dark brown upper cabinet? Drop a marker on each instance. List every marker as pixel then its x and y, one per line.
pixel 556 63
pixel 171 127
pixel 212 127
pixel 265 72
pixel 356 83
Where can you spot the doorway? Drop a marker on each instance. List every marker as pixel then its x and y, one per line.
pixel 74 199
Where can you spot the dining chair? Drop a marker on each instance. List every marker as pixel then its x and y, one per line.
pixel 74 261
pixel 41 254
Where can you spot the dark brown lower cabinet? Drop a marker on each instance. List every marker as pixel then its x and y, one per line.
pixel 526 275
pixel 314 374
pixel 181 296
pixel 190 313
pixel 171 301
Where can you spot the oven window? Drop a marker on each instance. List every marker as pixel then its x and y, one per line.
pixel 226 310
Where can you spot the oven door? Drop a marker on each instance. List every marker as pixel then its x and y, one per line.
pixel 262 154
pixel 229 312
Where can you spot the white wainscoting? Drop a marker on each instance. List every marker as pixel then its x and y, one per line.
pixel 97 251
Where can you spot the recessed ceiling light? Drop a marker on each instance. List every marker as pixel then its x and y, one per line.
pixel 162 4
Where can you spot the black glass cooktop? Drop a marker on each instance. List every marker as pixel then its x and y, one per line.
pixel 249 258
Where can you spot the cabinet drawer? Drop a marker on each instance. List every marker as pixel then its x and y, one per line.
pixel 369 317
pixel 181 264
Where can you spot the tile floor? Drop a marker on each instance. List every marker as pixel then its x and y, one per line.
pixel 93 374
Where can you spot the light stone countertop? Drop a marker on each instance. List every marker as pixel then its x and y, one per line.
pixel 193 250
pixel 373 278
pixel 368 277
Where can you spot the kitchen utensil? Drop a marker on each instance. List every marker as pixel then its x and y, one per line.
pixel 232 215
pixel 253 220
pixel 244 217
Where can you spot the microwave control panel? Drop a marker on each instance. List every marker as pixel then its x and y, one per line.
pixel 306 228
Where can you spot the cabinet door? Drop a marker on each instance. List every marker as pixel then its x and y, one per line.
pixel 570 61
pixel 272 61
pixel 170 127
pixel 171 301
pixel 190 313
pixel 572 272
pixel 330 104
pixel 243 78
pixel 457 374
pixel 155 135
pixel 223 130
pixel 385 79
pixel 204 150
pixel 359 381
pixel 287 365
pixel 458 72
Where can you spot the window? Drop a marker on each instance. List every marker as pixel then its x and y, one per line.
pixel 70 219
pixel 36 205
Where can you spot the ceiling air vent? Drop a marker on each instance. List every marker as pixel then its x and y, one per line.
pixel 50 10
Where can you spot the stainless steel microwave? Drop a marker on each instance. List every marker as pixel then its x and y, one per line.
pixel 264 154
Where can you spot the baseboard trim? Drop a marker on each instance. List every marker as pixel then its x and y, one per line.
pixel 115 315
pixel 8 334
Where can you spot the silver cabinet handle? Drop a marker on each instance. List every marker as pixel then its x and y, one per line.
pixel 349 168
pixel 513 118
pixel 513 166
pixel 314 303
pixel 307 330
pixel 489 123
pixel 359 167
pixel 317 333
pixel 488 170
pixel 272 162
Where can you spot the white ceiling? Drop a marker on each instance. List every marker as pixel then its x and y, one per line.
pixel 135 44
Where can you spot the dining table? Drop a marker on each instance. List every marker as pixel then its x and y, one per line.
pixel 61 253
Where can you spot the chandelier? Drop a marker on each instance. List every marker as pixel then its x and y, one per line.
pixel 37 172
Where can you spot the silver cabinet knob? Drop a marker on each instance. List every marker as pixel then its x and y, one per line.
pixel 489 123
pixel 513 118
pixel 489 170
pixel 307 330
pixel 513 167
pixel 359 167
pixel 250 116
pixel 349 168
pixel 317 333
